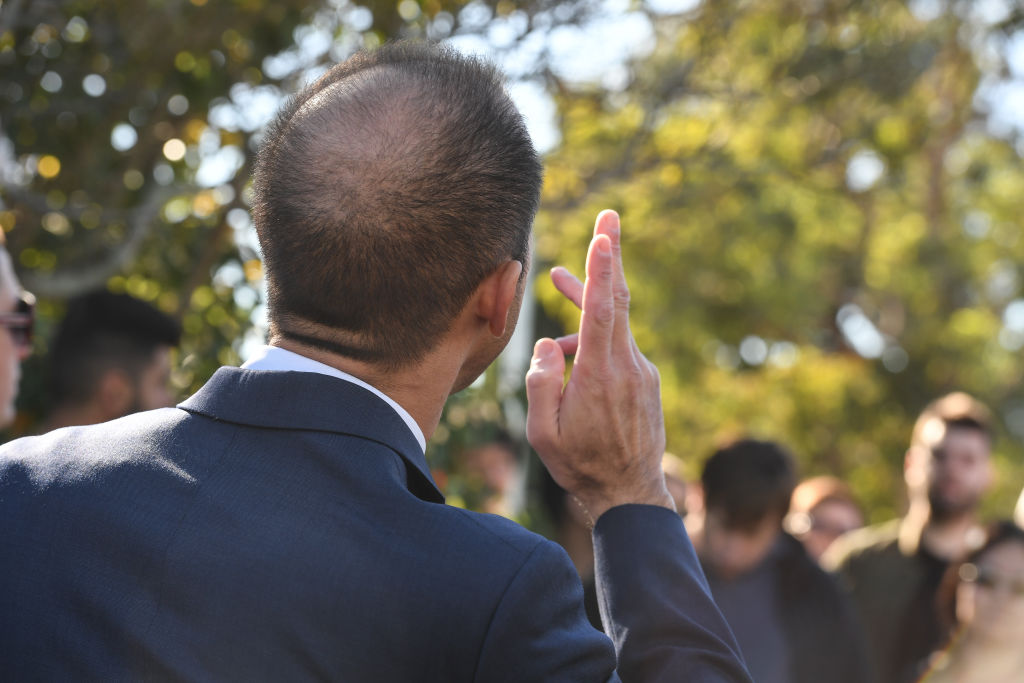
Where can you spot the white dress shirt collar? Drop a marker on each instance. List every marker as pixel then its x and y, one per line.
pixel 275 358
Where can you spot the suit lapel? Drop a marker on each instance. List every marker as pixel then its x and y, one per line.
pixel 314 402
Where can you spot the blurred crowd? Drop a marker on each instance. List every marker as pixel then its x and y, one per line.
pixel 810 592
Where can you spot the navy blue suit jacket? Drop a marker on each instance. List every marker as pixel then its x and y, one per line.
pixel 284 526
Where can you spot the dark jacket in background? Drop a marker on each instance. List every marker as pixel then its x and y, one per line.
pixel 823 640
pixel 892 581
pixel 826 640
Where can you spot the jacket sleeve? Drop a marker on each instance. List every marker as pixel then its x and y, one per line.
pixel 539 630
pixel 656 604
pixel 654 600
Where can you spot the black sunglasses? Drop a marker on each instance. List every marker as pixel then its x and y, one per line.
pixel 21 322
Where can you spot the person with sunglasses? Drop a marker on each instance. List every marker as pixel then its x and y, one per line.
pixel 17 309
pixel 982 600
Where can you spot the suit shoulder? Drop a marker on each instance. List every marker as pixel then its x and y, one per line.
pixel 494 530
pixel 85 452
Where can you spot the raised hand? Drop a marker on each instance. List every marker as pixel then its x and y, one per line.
pixel 602 434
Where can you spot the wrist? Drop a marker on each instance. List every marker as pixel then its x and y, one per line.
pixel 596 505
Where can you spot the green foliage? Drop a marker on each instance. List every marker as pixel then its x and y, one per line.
pixel 757 251
pixel 106 106
pixel 728 155
pixel 128 132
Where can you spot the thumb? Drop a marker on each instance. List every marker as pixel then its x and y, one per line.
pixel 544 394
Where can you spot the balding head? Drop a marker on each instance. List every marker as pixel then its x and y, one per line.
pixel 385 193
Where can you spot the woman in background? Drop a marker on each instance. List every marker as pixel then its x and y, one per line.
pixel 982 597
pixel 821 510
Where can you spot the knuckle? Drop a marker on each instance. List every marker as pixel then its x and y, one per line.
pixel 622 297
pixel 634 370
pixel 539 438
pixel 597 370
pixel 655 374
pixel 604 313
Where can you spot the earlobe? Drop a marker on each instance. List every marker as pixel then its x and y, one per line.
pixel 501 293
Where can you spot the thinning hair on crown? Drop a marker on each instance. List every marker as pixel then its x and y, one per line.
pixel 385 193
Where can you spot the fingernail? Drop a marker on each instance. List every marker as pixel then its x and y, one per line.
pixel 542 350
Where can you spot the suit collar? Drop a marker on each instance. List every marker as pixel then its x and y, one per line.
pixel 277 358
pixel 314 402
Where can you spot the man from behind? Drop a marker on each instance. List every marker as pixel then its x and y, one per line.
pixel 110 356
pixel 893 571
pixel 792 622
pixel 282 523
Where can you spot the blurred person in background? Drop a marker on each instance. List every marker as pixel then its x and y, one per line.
pixel 110 357
pixel 792 622
pixel 17 309
pixel 495 478
pixel 675 479
pixel 892 571
pixel 982 601
pixel 821 510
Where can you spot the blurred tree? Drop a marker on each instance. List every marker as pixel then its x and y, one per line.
pixel 820 229
pixel 821 233
pixel 126 138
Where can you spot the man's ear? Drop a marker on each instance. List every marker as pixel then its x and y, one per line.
pixel 115 394
pixel 496 295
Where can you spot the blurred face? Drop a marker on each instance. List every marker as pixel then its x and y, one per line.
pixel 153 388
pixel 828 521
pixel 959 472
pixel 990 597
pixel 734 552
pixel 494 465
pixel 11 353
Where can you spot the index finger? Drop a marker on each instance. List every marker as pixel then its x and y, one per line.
pixel 597 322
pixel 608 224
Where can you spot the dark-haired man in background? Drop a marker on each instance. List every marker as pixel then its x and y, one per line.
pixel 792 622
pixel 282 523
pixel 893 571
pixel 110 356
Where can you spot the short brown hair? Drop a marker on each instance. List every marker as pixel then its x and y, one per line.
pixel 385 193
pixel 812 492
pixel 747 482
pixel 958 410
